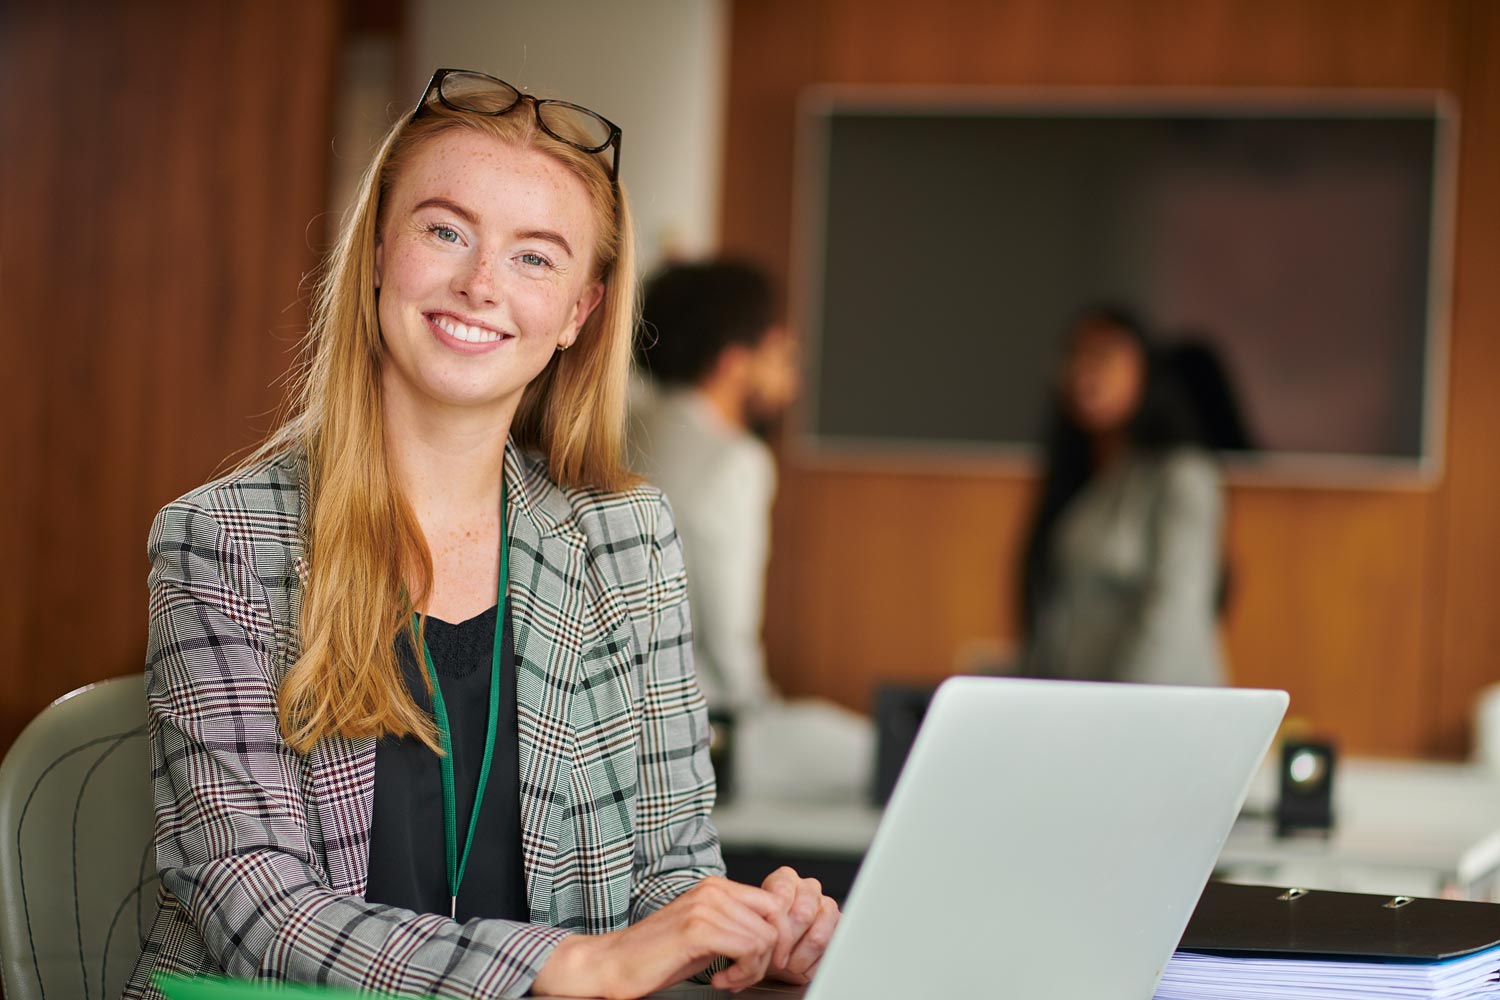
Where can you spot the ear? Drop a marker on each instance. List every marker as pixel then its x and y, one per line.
pixel 379 257
pixel 588 301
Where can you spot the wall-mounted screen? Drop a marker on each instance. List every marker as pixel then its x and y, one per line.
pixel 946 240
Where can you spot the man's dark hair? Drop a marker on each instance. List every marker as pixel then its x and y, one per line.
pixel 693 312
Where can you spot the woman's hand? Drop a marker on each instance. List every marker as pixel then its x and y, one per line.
pixel 810 920
pixel 716 917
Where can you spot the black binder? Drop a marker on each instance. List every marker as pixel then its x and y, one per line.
pixel 1267 921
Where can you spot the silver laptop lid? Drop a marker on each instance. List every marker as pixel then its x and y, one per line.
pixel 1047 839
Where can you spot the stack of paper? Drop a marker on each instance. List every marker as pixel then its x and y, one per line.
pixel 1249 942
pixel 1198 976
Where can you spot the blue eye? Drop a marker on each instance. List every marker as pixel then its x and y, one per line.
pixel 444 233
pixel 535 260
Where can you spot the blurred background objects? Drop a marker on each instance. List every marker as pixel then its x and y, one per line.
pixel 171 171
pixel 1122 570
pixel 722 369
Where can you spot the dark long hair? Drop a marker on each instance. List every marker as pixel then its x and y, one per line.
pixel 1203 373
pixel 1164 420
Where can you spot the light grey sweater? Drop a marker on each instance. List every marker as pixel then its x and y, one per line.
pixel 1135 569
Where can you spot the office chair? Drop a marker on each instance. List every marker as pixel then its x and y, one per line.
pixel 77 870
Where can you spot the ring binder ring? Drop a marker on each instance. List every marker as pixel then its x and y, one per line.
pixel 1291 894
pixel 1397 902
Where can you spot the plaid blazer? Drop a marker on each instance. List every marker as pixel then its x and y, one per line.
pixel 263 852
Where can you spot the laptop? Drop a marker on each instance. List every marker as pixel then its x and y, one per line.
pixel 1047 840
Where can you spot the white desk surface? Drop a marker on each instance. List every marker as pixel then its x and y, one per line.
pixel 1437 817
pixel 1433 817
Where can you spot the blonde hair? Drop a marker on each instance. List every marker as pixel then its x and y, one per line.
pixel 363 539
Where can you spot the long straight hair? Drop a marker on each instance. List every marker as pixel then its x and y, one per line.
pixel 369 563
pixel 1162 421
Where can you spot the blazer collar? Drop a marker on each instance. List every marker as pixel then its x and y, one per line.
pixel 565 616
pixel 533 495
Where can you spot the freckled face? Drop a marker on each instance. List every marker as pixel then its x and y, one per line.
pixel 484 265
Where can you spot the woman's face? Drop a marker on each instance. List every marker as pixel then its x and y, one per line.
pixel 484 264
pixel 1103 377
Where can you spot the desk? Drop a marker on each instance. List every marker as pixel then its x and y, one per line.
pixel 693 991
pixel 1414 828
pixel 761 991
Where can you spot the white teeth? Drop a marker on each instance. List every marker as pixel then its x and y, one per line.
pixel 468 334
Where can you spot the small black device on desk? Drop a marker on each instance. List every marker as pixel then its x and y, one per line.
pixel 1305 802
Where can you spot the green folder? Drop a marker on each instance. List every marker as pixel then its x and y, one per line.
pixel 208 988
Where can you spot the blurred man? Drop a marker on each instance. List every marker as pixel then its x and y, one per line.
pixel 723 367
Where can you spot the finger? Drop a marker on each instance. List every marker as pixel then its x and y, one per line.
pixel 748 949
pixel 801 898
pixel 762 901
pixel 809 950
pixel 765 904
pixel 743 940
pixel 735 978
pixel 807 904
pixel 721 920
pixel 802 910
pixel 747 968
pixel 782 882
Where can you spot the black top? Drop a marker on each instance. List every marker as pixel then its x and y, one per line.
pixel 408 867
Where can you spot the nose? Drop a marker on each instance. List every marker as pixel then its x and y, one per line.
pixel 477 281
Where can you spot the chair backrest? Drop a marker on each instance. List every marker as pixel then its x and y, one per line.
pixel 77 869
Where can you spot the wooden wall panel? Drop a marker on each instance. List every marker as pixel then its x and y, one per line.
pixel 1340 594
pixel 163 161
pixel 1467 656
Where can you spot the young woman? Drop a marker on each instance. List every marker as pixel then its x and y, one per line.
pixel 421 693
pixel 1122 569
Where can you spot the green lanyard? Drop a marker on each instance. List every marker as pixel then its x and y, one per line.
pixel 456 864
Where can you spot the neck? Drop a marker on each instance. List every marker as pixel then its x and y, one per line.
pixel 726 399
pixel 448 462
pixel 1106 447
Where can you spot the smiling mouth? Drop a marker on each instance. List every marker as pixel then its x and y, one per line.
pixel 465 332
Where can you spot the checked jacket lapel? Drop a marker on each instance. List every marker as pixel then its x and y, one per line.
pixel 560 614
pixel 564 617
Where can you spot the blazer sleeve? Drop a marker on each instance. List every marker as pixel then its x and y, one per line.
pixel 1174 636
pixel 676 845
pixel 235 820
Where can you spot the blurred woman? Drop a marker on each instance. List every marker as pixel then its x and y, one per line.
pixel 420 685
pixel 1122 568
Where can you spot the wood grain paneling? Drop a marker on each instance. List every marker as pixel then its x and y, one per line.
pixel 1370 606
pixel 163 161
pixel 1467 656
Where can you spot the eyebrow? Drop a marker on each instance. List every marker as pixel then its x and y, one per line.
pixel 555 238
pixel 550 237
pixel 450 205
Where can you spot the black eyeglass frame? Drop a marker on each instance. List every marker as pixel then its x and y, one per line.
pixel 435 85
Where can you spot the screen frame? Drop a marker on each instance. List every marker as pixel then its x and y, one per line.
pixel 818 105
